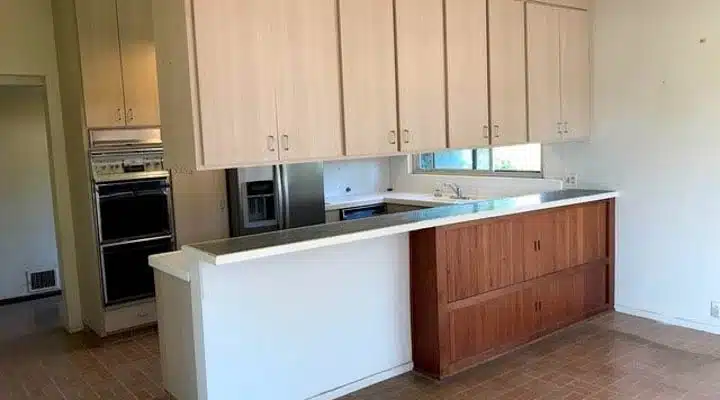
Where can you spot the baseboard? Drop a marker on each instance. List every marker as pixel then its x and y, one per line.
pixel 30 297
pixel 363 383
pixel 665 319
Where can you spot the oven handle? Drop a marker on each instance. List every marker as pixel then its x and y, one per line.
pixel 151 192
pixel 136 241
pixel 121 195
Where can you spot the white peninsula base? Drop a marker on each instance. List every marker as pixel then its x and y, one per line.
pixel 315 324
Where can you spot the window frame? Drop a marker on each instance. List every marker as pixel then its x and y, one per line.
pixel 475 172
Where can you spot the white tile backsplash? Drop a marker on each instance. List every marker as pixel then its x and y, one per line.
pixel 362 176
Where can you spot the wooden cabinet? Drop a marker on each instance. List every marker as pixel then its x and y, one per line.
pixel 467 74
pixel 421 74
pixel 268 85
pixel 479 289
pixel 507 72
pixel 558 57
pixel 117 58
pixel 482 257
pixel 200 206
pixel 367 39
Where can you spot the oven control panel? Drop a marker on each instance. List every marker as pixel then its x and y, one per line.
pixel 117 166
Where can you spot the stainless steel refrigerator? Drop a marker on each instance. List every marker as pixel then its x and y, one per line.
pixel 272 198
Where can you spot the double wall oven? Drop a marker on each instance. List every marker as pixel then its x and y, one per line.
pixel 133 206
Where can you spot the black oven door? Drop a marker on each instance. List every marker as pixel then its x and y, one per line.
pixel 127 276
pixel 132 210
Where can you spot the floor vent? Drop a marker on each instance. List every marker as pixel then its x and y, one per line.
pixel 41 281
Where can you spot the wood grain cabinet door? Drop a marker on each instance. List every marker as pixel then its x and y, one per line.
pixel 539 243
pixel 482 327
pixel 235 56
pixel 508 92
pixel 367 38
pixel 595 294
pixel 139 70
pixel 421 74
pixel 575 67
pixel 592 231
pixel 467 74
pixel 97 26
pixel 483 257
pixel 543 70
pixel 308 92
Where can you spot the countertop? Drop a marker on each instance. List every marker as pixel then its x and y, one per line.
pixel 264 245
pixel 174 264
pixel 408 199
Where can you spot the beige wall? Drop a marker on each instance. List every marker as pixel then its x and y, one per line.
pixel 25 193
pixel 28 48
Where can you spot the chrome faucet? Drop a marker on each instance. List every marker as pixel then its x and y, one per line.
pixel 455 188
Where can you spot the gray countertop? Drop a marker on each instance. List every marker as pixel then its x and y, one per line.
pixel 414 220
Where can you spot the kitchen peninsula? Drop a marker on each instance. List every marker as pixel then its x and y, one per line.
pixel 322 311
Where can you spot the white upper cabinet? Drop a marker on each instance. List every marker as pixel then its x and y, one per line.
pixel 367 39
pixel 421 74
pixel 508 94
pixel 559 73
pixel 467 73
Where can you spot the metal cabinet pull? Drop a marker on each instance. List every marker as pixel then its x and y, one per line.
pixel 286 142
pixel 559 128
pixel 496 128
pixel 130 114
pixel 566 127
pixel 271 142
pixel 406 136
pixel 392 138
pixel 486 132
pixel 118 115
pixel 539 246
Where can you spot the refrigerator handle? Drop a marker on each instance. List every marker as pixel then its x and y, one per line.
pixel 282 196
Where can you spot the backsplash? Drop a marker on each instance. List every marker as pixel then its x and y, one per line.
pixel 362 176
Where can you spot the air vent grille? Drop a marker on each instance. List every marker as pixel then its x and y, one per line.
pixel 42 280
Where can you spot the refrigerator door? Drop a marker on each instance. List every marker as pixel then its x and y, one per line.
pixel 301 195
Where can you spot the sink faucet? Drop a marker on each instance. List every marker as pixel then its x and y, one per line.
pixel 455 188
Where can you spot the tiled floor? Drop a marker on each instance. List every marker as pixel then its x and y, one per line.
pixel 38 360
pixel 611 357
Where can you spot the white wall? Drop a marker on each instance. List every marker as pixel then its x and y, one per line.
pixel 656 138
pixel 28 48
pixel 363 176
pixel 27 240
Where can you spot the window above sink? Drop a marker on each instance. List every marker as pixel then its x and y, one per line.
pixel 521 161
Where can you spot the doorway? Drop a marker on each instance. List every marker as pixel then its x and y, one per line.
pixel 29 256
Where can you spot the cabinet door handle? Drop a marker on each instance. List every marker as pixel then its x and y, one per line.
pixel 130 115
pixel 118 115
pixel 559 128
pixel 392 137
pixel 271 142
pixel 496 129
pixel 539 247
pixel 406 136
pixel 486 132
pixel 540 305
pixel 286 142
pixel 566 127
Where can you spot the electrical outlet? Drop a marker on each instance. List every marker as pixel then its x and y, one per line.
pixel 571 180
pixel 715 309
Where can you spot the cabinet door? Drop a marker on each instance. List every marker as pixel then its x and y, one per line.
pixel 593 235
pixel 543 58
pixel 236 79
pixel 421 74
pixel 367 38
pixel 482 327
pixel 539 232
pixel 508 93
pixel 309 110
pixel 138 62
pixel 575 72
pixel 200 206
pixel 483 257
pixel 595 294
pixel 467 74
pixel 100 63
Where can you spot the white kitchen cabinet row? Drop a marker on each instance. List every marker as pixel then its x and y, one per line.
pixel 254 82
